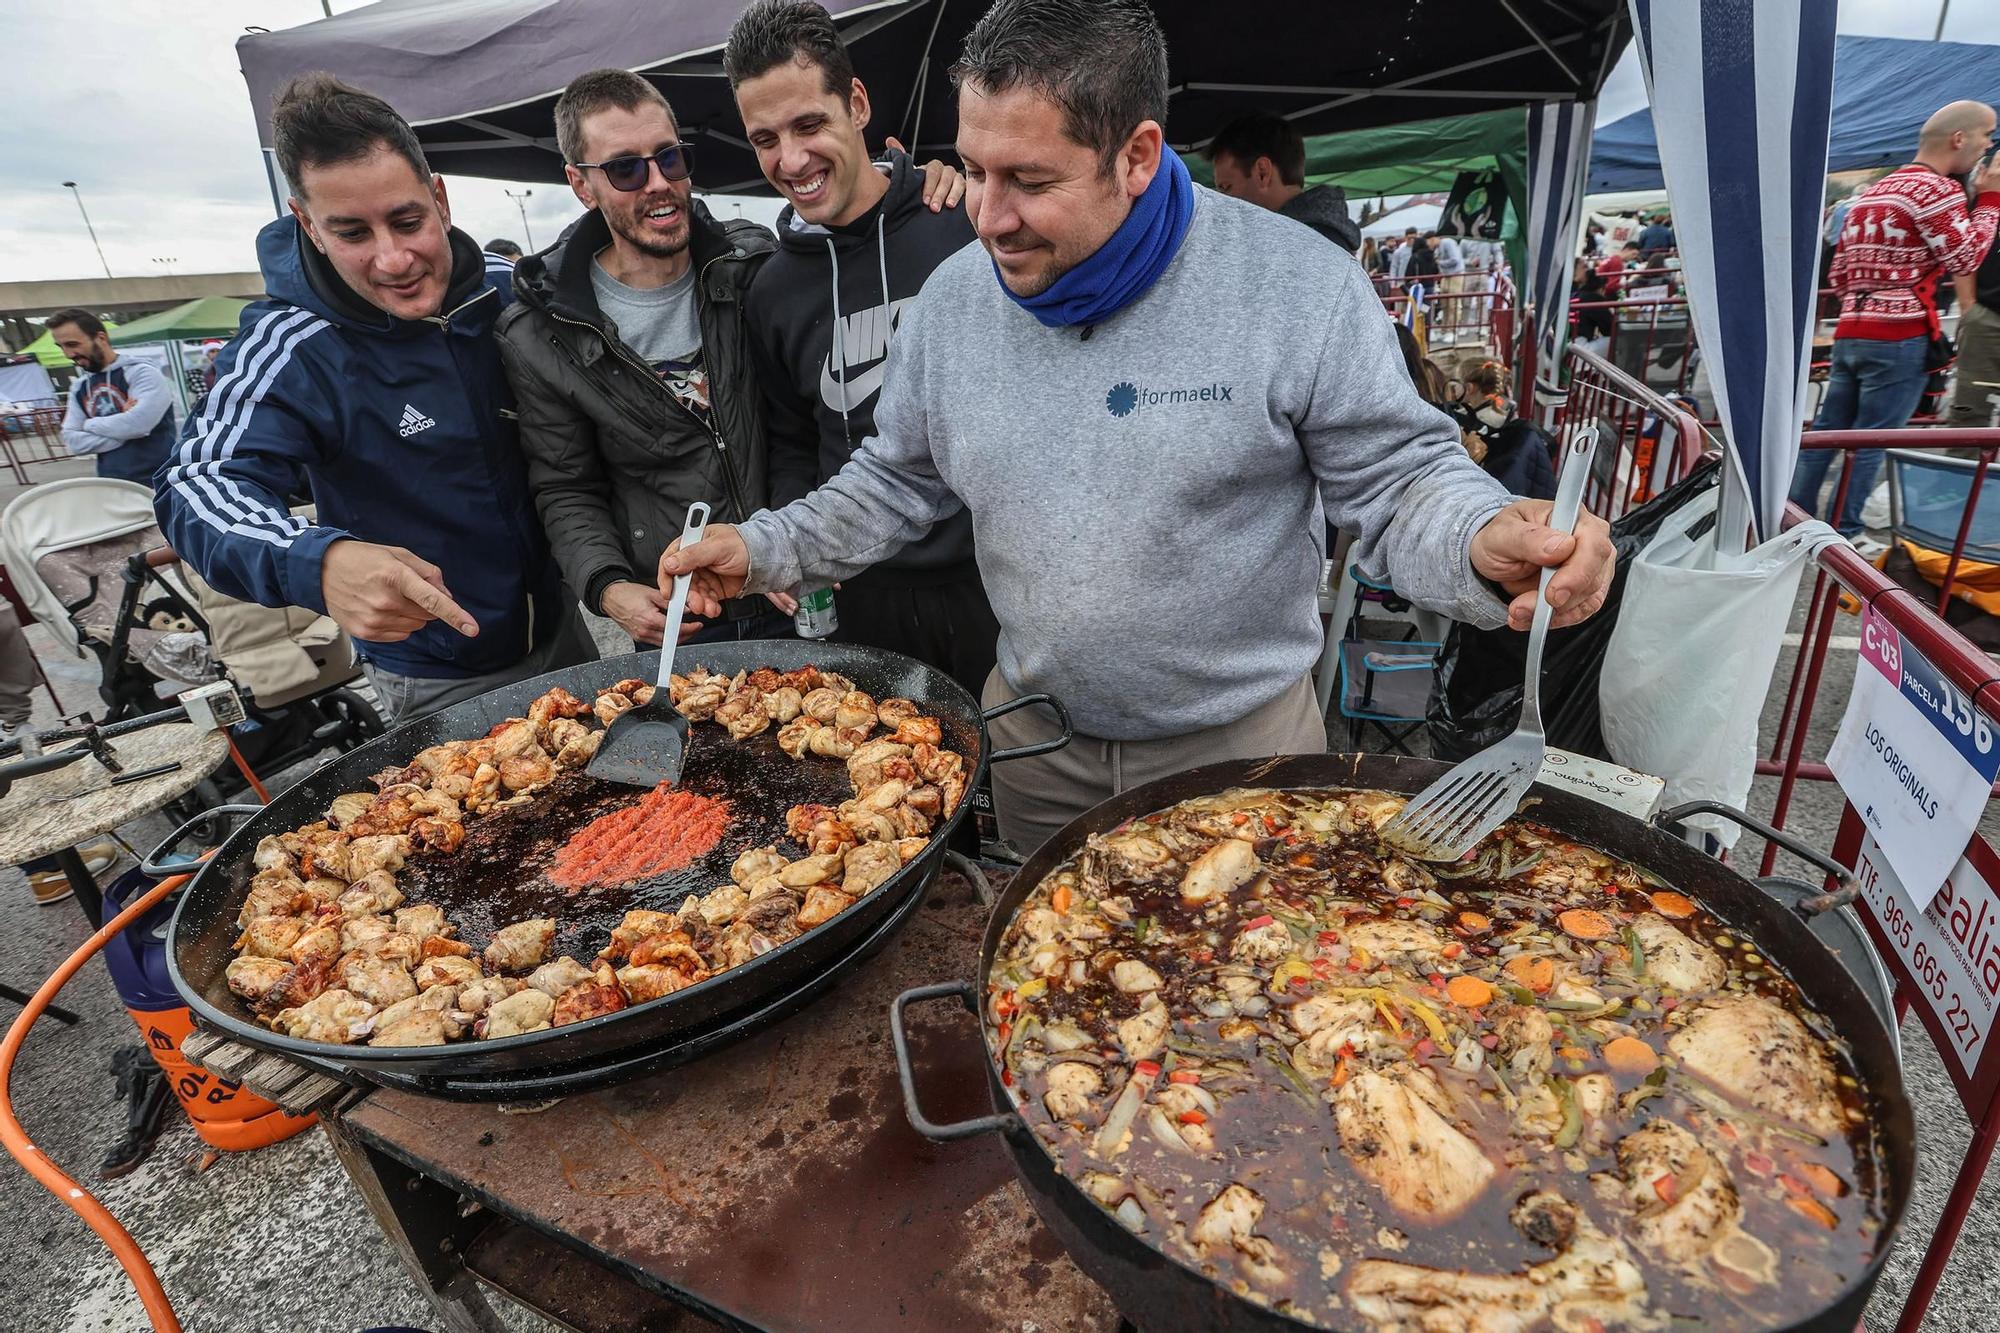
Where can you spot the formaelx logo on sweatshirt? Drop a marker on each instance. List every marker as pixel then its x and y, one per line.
pixel 413 421
pixel 1125 397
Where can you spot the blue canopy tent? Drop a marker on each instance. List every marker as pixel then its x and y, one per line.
pixel 1883 89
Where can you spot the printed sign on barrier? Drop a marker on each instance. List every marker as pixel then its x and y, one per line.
pixel 1948 953
pixel 1916 758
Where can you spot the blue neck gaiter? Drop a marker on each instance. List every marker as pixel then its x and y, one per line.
pixel 1126 265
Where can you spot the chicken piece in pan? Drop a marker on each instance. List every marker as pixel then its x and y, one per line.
pixel 756 863
pixel 274 893
pixel 640 924
pixel 720 905
pixel 359 932
pixel 326 853
pixel 332 1016
pixel 367 855
pixel 854 718
pixel 795 737
pixel 591 998
pixel 610 705
pixel 445 971
pixel 935 765
pixel 253 978
pixel 553 705
pixel 572 743
pixel 527 772
pixel 1674 959
pixel 1760 1055
pixel 1228 1222
pixel 320 940
pixel 374 977
pixel 521 946
pixel 343 810
pixel 810 870
pixel 390 813
pixel 820 829
pixel 271 936
pixel 641 984
pixel 372 894
pixel 750 720
pixel 1684 1206
pixel 1399 1132
pixel 918 731
pixel 673 947
pixel 892 713
pixel 526 1010
pixel 698 694
pixel 821 705
pixel 429 1018
pixel 552 979
pixel 1592 1282
pixel 784 704
pixel 440 946
pixel 823 903
pixel 876 762
pixel 423 921
pixel 270 854
pixel 475 996
pixel 437 835
pixel 869 865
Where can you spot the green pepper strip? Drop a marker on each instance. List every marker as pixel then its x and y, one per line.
pixel 1638 952
pixel 1572 1126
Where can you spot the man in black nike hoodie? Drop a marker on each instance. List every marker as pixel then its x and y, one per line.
pixel 855 245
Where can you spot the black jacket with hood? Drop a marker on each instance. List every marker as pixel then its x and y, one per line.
pixel 820 391
pixel 1324 209
pixel 613 457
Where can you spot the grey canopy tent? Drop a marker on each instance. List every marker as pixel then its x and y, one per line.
pixel 479 81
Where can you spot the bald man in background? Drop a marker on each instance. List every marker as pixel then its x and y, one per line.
pixel 1904 235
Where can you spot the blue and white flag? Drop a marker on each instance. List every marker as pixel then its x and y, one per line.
pixel 1742 95
pixel 1558 158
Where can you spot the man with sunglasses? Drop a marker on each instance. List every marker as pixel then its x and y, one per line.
pixel 630 358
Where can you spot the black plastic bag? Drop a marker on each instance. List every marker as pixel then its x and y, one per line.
pixel 1476 695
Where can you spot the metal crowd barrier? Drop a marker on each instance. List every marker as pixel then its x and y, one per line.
pixel 30 437
pixel 1653 441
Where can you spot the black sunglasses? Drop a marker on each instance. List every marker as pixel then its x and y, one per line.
pixel 629 173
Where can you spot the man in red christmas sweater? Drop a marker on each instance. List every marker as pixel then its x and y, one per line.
pixel 1904 234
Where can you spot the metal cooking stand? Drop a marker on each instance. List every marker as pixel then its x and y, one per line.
pixel 773 1185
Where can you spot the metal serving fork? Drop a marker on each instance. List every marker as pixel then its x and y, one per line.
pixel 1447 819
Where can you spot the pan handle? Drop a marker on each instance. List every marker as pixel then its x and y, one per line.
pixel 1844 877
pixel 156 863
pixel 1039 747
pixel 964 1129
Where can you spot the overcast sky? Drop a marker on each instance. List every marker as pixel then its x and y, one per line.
pixel 157 132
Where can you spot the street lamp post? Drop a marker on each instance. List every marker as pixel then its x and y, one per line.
pixel 71 187
pixel 521 203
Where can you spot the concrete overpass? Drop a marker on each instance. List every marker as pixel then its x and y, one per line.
pixel 121 298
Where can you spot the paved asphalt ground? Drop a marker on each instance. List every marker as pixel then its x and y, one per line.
pixel 276 1241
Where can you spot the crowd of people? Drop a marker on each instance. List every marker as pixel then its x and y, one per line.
pixel 1132 394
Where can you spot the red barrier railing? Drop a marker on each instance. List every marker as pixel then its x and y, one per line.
pixel 1461 318
pixel 31 437
pixel 1842 572
pixel 1649 442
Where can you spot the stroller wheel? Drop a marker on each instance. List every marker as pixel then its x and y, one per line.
pixel 351 720
pixel 206 796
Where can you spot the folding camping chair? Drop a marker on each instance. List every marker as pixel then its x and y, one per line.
pixel 1927 497
pixel 1379 668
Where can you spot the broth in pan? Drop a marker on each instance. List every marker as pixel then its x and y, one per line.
pixel 1537 1088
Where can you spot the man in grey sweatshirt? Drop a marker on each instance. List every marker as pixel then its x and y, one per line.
pixel 1144 416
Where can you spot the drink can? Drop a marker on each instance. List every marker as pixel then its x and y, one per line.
pixel 815 618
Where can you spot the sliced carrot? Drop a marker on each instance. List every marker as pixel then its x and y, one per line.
pixel 1795 1187
pixel 1060 900
pixel 1474 921
pixel 1668 903
pixel 1572 1052
pixel 1813 1210
pixel 1666 1187
pixel 1469 992
pixel 1452 950
pixel 1537 974
pixel 1629 1055
pixel 1586 924
pixel 1822 1180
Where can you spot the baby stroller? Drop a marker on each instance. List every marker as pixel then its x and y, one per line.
pixel 90 562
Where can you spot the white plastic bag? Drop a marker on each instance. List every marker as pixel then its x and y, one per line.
pixel 1688 666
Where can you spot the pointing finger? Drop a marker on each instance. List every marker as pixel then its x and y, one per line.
pixel 439 605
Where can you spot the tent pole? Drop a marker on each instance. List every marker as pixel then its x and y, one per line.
pixel 271 179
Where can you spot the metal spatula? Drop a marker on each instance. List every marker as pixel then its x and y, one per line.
pixel 1447 819
pixel 647 745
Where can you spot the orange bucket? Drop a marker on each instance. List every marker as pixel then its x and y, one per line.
pixel 225 1114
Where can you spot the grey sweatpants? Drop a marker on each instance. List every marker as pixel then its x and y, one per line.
pixel 402 698
pixel 1033 798
pixel 1976 378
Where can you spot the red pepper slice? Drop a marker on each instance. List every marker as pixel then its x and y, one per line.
pixel 1184 1076
pixel 1239 819
pixel 1424 1049
pixel 1666 1186
pixel 1271 824
pixel 1326 937
pixel 1146 1069
pixel 1194 1117
pixel 1260 922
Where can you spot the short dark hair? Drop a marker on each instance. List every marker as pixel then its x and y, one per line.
pixel 503 247
pixel 320 121
pixel 591 93
pixel 90 324
pixel 1104 62
pixel 1629 245
pixel 1261 134
pixel 771 33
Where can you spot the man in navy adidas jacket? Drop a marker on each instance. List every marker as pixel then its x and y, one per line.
pixel 373 371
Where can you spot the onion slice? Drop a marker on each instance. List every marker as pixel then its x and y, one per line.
pixel 1123 1112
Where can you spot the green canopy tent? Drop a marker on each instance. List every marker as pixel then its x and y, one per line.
pixel 204 317
pixel 1423 156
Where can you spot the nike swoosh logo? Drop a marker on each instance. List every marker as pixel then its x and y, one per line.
pixel 861 384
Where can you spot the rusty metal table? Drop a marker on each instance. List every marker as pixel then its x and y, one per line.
pixel 773 1185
